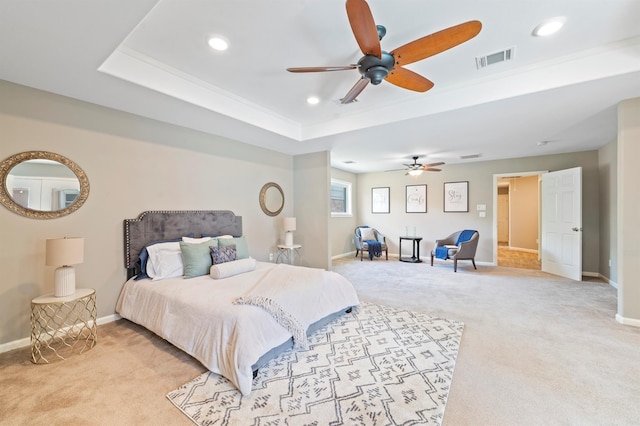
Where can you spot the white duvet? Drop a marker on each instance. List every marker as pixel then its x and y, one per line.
pixel 198 315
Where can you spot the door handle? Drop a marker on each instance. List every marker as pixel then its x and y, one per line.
pixel 575 229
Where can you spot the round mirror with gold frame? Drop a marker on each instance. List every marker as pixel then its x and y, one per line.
pixel 271 199
pixel 42 185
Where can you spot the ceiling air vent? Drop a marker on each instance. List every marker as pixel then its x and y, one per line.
pixel 495 58
pixel 467 157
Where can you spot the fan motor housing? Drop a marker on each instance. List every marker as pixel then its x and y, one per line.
pixel 376 69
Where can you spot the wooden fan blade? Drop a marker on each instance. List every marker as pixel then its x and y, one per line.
pixel 364 27
pixel 406 79
pixel 355 91
pixel 435 43
pixel 429 169
pixel 322 69
pixel 433 164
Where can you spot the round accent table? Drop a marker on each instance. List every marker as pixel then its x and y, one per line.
pixel 288 253
pixel 62 326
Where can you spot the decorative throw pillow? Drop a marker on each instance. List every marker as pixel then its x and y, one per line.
pixel 196 257
pixel 223 254
pixel 367 234
pixel 165 261
pixel 143 257
pixel 242 249
pixel 230 269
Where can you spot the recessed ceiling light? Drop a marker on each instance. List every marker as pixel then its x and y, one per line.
pixel 313 100
pixel 218 43
pixel 549 26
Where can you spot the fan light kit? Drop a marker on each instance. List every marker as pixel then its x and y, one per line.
pixel 218 43
pixel 377 65
pixel 416 168
pixel 549 27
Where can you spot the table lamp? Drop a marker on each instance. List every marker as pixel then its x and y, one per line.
pixel 289 227
pixel 64 252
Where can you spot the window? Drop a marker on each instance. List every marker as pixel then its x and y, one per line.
pixel 340 198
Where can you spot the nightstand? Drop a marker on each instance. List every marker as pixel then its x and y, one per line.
pixel 62 326
pixel 288 253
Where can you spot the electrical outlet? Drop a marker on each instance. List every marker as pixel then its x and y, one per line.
pixel 270 257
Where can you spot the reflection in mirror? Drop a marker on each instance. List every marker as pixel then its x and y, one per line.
pixel 271 199
pixel 42 185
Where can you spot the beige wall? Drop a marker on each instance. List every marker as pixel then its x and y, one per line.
pixel 628 212
pixel 133 164
pixel 523 215
pixel 608 169
pixel 436 224
pixel 312 184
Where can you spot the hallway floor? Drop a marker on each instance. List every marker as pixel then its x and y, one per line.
pixel 517 258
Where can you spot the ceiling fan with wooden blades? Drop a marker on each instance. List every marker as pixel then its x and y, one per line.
pixel 377 65
pixel 416 168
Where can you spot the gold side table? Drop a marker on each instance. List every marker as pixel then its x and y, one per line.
pixel 62 326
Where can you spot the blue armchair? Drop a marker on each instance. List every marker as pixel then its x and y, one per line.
pixel 362 246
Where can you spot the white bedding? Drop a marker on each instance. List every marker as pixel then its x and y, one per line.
pixel 197 316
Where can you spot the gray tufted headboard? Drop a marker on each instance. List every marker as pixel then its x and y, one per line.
pixel 160 225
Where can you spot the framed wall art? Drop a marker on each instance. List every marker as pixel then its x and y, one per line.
pixel 456 197
pixel 416 199
pixel 380 200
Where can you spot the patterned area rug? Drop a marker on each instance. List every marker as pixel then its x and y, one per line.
pixel 374 366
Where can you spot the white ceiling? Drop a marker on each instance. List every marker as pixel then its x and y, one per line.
pixel 151 58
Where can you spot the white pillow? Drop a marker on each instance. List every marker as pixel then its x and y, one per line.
pixel 367 234
pixel 235 267
pixel 224 236
pixel 165 261
pixel 195 240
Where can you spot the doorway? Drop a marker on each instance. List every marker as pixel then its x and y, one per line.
pixel 517 221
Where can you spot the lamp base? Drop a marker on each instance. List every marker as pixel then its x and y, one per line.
pixel 65 281
pixel 288 238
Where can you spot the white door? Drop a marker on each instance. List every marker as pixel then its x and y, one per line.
pixel 562 223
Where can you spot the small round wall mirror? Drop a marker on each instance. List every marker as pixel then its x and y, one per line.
pixel 271 199
pixel 42 185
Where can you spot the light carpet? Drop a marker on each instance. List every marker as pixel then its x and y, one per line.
pixel 374 366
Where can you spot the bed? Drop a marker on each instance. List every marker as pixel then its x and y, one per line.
pixel 238 316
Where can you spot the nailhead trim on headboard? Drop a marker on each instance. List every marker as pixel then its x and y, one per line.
pixel 157 225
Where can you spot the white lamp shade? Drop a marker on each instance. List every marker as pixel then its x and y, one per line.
pixel 289 224
pixel 64 251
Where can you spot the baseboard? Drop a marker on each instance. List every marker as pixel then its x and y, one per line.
pixel 16 344
pixel 21 343
pixel 591 274
pixel 526 250
pixel 340 256
pixel 611 283
pixel 628 321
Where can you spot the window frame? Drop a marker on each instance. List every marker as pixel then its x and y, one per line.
pixel 348 195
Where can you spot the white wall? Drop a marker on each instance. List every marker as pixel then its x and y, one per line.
pixel 133 164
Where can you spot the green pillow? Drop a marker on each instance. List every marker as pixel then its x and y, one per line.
pixel 196 257
pixel 242 249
